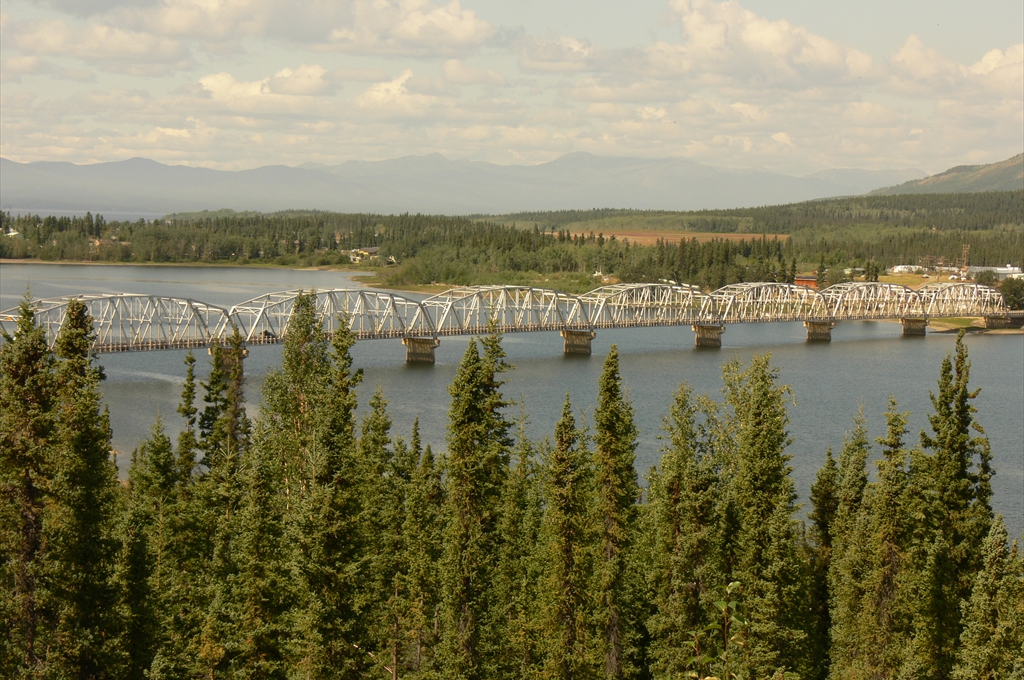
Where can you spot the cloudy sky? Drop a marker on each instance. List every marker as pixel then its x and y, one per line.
pixel 788 85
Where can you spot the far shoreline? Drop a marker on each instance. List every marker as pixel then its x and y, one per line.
pixel 29 260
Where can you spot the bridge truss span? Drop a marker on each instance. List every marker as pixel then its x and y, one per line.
pixel 862 301
pixel 629 305
pixel 511 309
pixel 956 299
pixel 126 322
pixel 147 322
pixel 767 302
pixel 370 314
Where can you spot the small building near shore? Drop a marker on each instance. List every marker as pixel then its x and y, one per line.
pixel 809 280
pixel 1007 272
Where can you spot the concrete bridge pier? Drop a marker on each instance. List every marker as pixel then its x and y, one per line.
pixel 708 335
pixel 420 350
pixel 1004 321
pixel 914 326
pixel 577 343
pixel 819 331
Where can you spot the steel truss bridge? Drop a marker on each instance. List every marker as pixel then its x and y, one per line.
pixel 126 322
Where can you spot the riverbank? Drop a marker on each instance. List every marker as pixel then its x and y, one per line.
pixel 211 265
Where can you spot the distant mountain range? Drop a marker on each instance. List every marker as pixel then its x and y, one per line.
pixel 425 184
pixel 1006 175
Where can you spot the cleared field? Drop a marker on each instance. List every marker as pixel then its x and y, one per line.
pixel 648 237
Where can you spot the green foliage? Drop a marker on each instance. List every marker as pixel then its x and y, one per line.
pixel 616 493
pixel 682 523
pixel 563 249
pixel 297 548
pixel 993 617
pixel 566 555
pixel 476 466
pixel 1013 293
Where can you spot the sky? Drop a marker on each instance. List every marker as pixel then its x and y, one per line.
pixel 793 86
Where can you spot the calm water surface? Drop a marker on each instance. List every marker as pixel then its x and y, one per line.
pixel 864 363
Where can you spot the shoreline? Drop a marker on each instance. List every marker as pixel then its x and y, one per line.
pixel 212 265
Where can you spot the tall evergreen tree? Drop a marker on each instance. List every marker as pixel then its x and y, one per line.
pixel 847 564
pixel 992 642
pixel 824 506
pixel 871 616
pixel 682 523
pixel 81 507
pixel 149 564
pixel 423 542
pixel 224 440
pixel 956 480
pixel 767 563
pixel 615 495
pixel 307 425
pixel 27 398
pixel 513 648
pixel 476 466
pixel 566 554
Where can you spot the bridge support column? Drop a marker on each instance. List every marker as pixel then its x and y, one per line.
pixel 914 326
pixel 420 350
pixel 708 336
pixel 578 342
pixel 819 331
pixel 1001 321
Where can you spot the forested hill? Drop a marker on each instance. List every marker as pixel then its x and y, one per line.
pixel 1006 175
pixel 965 211
pixel 559 250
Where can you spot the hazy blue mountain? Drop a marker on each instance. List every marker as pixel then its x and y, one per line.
pixel 1005 175
pixel 427 184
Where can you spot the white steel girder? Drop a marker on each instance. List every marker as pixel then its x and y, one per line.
pixel 141 322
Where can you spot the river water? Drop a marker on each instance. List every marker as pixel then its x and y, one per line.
pixel 864 363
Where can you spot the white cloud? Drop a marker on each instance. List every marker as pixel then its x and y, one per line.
pixel 723 42
pixel 564 54
pixel 116 49
pixel 271 81
pixel 455 71
pixel 410 27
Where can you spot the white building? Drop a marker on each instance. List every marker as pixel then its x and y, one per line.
pixel 1009 271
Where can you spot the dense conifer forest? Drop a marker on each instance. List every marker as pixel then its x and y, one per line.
pixel 562 249
pixel 304 544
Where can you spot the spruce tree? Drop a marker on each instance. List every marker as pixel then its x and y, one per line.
pixel 476 465
pixel 224 440
pixel 385 478
pixel 513 648
pixel 149 565
pixel 565 554
pixel 682 524
pixel 615 496
pixel 423 542
pixel 81 511
pixel 306 424
pixel 992 642
pixel 956 474
pixel 27 420
pixel 824 505
pixel 767 562
pixel 869 636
